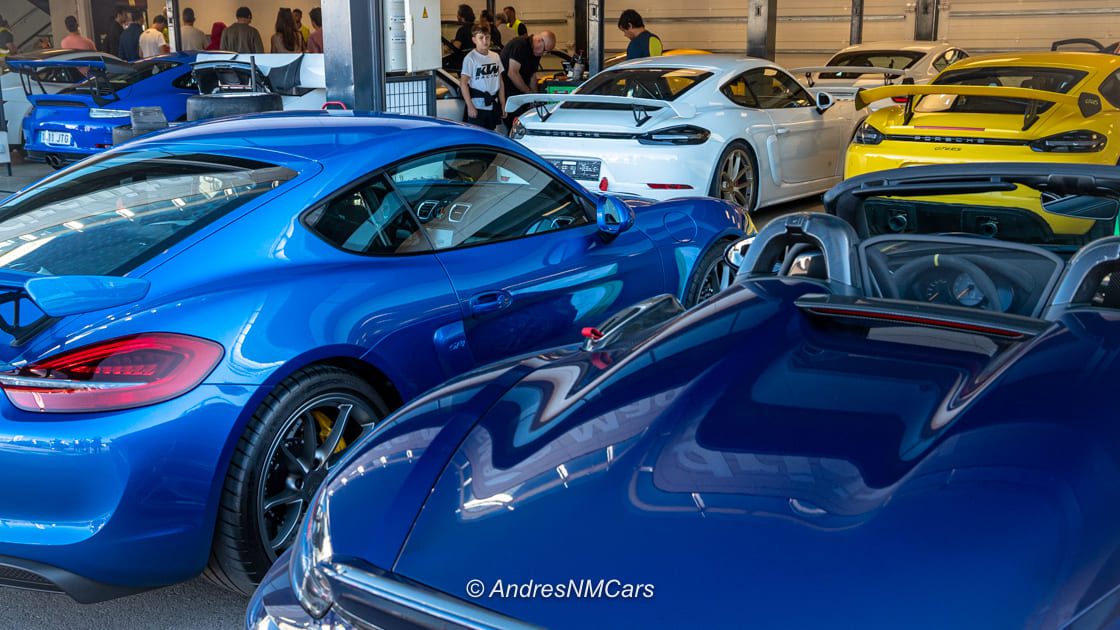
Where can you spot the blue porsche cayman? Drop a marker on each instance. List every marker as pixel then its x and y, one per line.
pixel 78 121
pixel 874 426
pixel 198 324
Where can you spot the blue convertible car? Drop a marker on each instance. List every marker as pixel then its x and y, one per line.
pixel 872 427
pixel 78 121
pixel 198 324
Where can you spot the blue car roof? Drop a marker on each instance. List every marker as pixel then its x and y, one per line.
pixel 326 135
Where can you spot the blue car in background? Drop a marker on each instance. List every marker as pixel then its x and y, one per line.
pixel 79 120
pixel 197 325
pixel 875 425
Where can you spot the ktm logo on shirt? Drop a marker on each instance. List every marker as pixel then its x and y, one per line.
pixel 486 71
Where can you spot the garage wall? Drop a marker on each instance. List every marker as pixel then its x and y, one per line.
pixel 993 26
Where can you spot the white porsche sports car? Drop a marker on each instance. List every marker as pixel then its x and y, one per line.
pixel 738 128
pixel 875 64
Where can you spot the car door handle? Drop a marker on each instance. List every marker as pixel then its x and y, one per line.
pixel 489 302
pixel 781 131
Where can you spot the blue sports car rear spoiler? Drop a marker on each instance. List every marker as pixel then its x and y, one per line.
pixel 21 65
pixel 58 296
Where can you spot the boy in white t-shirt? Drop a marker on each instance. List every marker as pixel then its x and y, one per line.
pixel 481 80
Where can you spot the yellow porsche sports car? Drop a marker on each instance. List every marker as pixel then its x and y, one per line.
pixel 1035 107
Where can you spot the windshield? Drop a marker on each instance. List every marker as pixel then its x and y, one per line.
pixel 662 84
pixel 893 59
pixel 112 214
pixel 1023 215
pixel 1059 80
pixel 118 79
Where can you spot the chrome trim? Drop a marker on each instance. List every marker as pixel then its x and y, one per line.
pixel 409 602
pixel 8 380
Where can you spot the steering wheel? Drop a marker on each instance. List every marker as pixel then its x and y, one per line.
pixel 906 274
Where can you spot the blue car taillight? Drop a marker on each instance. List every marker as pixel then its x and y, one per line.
pixel 121 373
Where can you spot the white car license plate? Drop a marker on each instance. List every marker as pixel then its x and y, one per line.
pixel 55 137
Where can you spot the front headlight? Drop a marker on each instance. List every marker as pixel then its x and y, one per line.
pixel 866 134
pixel 1071 142
pixel 109 113
pixel 312 550
pixel 517 132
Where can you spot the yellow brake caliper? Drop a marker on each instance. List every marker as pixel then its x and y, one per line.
pixel 325 425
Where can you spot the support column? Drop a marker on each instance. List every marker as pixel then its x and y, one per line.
pixel 856 36
pixel 762 23
pixel 593 10
pixel 174 31
pixel 354 53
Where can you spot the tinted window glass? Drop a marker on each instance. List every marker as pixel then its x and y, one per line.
pixel 1110 89
pixel 369 220
pixel 738 92
pixel 1060 80
pixel 663 84
pixel 894 59
pixel 118 79
pixel 474 196
pixel 776 90
pixel 112 214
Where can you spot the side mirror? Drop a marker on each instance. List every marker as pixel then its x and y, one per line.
pixel 613 215
pixel 824 101
pixel 736 252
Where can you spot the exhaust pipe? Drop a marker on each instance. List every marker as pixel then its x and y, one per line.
pixel 54 160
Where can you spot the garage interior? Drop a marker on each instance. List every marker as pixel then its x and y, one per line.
pixel 797 33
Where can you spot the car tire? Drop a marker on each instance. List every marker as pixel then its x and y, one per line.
pixel 266 466
pixel 206 106
pixel 737 156
pixel 711 275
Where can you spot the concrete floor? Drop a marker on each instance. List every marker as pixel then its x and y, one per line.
pixel 195 604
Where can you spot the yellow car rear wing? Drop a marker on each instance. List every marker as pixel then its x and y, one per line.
pixel 1089 104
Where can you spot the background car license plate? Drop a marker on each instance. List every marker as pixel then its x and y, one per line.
pixel 578 169
pixel 55 137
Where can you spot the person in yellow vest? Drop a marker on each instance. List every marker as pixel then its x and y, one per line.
pixel 642 42
pixel 515 26
pixel 300 26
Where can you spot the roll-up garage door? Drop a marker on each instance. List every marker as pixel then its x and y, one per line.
pixel 1000 25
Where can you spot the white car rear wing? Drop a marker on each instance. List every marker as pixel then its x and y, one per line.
pixel 638 105
pixel 887 73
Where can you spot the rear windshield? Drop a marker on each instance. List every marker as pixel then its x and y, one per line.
pixel 113 214
pixel 893 59
pixel 115 78
pixel 1060 80
pixel 662 84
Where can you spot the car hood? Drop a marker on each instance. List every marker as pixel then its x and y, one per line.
pixel 747 460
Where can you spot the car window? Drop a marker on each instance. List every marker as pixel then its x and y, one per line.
pixel 664 84
pixel 185 82
pixel 1110 89
pixel 371 219
pixel 112 213
pixel 1060 80
pixel 737 92
pixel 774 89
pixel 897 59
pixel 473 196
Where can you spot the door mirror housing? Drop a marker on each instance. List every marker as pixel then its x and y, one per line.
pixel 824 101
pixel 613 215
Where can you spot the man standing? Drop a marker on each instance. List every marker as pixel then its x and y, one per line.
pixel 192 38
pixel 521 59
pixel 113 37
pixel 151 40
pixel 74 39
pixel 516 26
pixel 642 42
pixel 241 37
pixel 129 48
pixel 315 40
pixel 300 26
